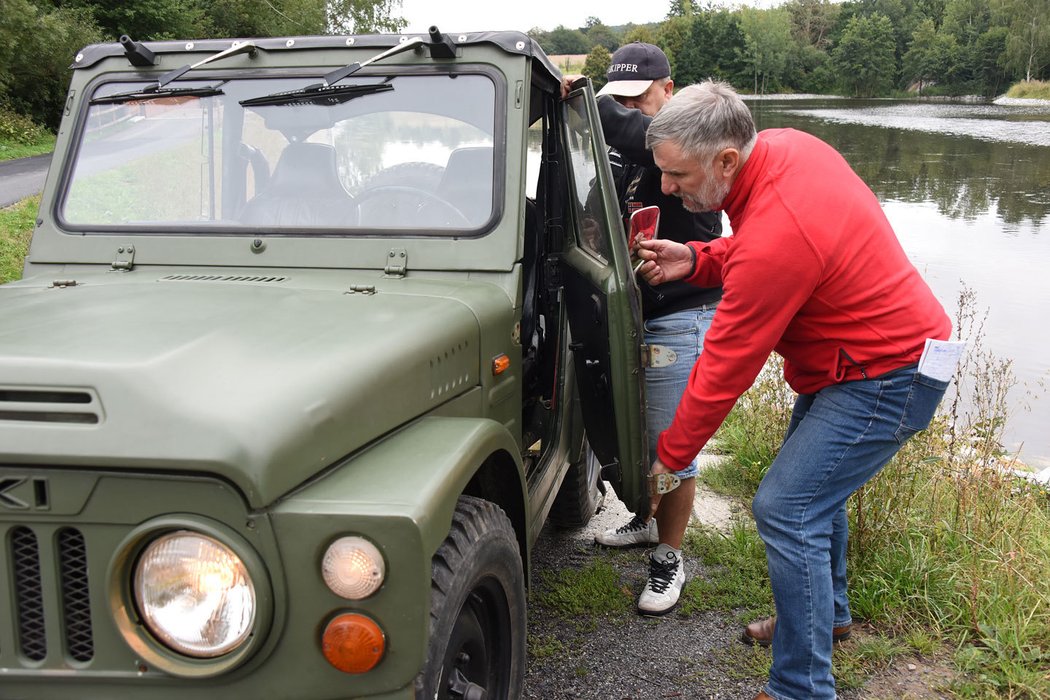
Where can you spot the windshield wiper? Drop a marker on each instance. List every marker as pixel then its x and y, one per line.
pixel 317 95
pixel 157 91
pixel 326 92
pixel 153 93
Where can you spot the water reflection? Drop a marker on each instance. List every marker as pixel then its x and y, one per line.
pixel 967 188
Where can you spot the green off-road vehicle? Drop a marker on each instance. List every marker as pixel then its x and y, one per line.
pixel 301 362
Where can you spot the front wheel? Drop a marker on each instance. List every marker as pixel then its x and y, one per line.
pixel 477 609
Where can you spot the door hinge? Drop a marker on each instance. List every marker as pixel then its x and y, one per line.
pixel 125 259
pixel 396 262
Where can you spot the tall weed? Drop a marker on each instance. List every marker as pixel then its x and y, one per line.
pixel 948 539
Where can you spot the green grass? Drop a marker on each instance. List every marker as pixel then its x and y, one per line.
pixel 1030 89
pixel 585 594
pixel 948 550
pixel 9 150
pixel 16 230
pixel 735 577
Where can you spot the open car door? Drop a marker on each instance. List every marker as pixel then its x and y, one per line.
pixel 604 307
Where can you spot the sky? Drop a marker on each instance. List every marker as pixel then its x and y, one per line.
pixel 522 15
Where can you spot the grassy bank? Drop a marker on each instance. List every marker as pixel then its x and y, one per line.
pixel 16 230
pixel 949 549
pixel 1030 89
pixel 21 138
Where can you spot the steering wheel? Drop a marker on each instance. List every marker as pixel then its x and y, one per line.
pixel 400 206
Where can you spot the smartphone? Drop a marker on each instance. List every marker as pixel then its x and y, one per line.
pixel 644 222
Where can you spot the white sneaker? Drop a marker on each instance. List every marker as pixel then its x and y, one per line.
pixel 636 533
pixel 666 578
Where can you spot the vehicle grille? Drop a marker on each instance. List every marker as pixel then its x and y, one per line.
pixel 26 566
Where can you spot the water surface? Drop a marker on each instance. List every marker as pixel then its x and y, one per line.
pixel 967 188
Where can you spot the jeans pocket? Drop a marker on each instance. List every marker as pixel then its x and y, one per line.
pixel 671 325
pixel 921 405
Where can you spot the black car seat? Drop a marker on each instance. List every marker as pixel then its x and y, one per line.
pixel 304 191
pixel 467 183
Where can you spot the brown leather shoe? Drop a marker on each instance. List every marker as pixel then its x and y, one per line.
pixel 763 695
pixel 760 632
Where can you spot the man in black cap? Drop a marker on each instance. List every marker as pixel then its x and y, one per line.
pixel 677 315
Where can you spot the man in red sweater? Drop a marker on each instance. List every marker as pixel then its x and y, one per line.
pixel 814 272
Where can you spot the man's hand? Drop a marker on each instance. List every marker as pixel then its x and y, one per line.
pixel 568 83
pixel 665 260
pixel 654 497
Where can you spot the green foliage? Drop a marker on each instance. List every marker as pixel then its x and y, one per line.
pixel 865 56
pixel 1033 90
pixel 36 49
pixel 16 129
pixel 597 65
pixel 16 231
pixel 767 45
pixel 947 542
pixel 714 50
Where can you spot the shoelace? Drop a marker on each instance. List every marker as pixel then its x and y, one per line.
pixel 661 573
pixel 635 525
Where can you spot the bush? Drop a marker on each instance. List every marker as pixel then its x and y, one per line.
pixel 1030 89
pixel 14 128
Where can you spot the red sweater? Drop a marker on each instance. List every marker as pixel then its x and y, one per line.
pixel 813 271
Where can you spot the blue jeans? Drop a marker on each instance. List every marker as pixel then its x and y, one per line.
pixel 838 439
pixel 681 334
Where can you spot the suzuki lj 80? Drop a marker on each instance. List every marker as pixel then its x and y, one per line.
pixel 313 337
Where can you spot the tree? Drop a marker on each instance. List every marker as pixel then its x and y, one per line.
pixel 1028 38
pixel 812 21
pixel 865 56
pixel 598 34
pixel 931 57
pixel 682 8
pixel 597 66
pixel 714 50
pixel 767 43
pixel 37 46
pixel 562 40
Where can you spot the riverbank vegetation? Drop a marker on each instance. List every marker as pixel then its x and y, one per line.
pixel 949 546
pixel 860 48
pixel 16 230
pixel 1031 90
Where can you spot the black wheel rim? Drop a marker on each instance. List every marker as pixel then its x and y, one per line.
pixel 477 662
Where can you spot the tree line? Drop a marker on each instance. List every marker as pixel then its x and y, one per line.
pixel 39 38
pixel 862 48
pixel 856 47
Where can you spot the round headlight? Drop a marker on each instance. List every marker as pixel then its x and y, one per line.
pixel 353 568
pixel 194 594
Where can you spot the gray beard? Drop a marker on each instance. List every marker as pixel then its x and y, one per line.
pixel 707 198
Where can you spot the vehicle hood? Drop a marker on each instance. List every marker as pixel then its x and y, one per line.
pixel 263 383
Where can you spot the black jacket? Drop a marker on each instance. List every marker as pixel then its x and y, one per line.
pixel 624 131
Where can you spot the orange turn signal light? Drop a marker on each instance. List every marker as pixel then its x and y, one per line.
pixel 500 364
pixel 353 643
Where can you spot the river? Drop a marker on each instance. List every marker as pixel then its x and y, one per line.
pixel 966 186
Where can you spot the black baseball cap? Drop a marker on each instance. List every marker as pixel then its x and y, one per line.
pixel 633 69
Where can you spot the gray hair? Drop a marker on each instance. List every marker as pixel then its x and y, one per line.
pixel 704 119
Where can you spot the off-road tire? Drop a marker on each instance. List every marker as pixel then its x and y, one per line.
pixel 477 608
pixel 580 495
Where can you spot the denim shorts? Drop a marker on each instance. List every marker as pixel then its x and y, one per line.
pixel 681 335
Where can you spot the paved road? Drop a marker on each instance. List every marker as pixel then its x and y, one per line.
pixel 22 178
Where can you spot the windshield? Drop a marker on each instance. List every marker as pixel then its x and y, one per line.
pixel 411 154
